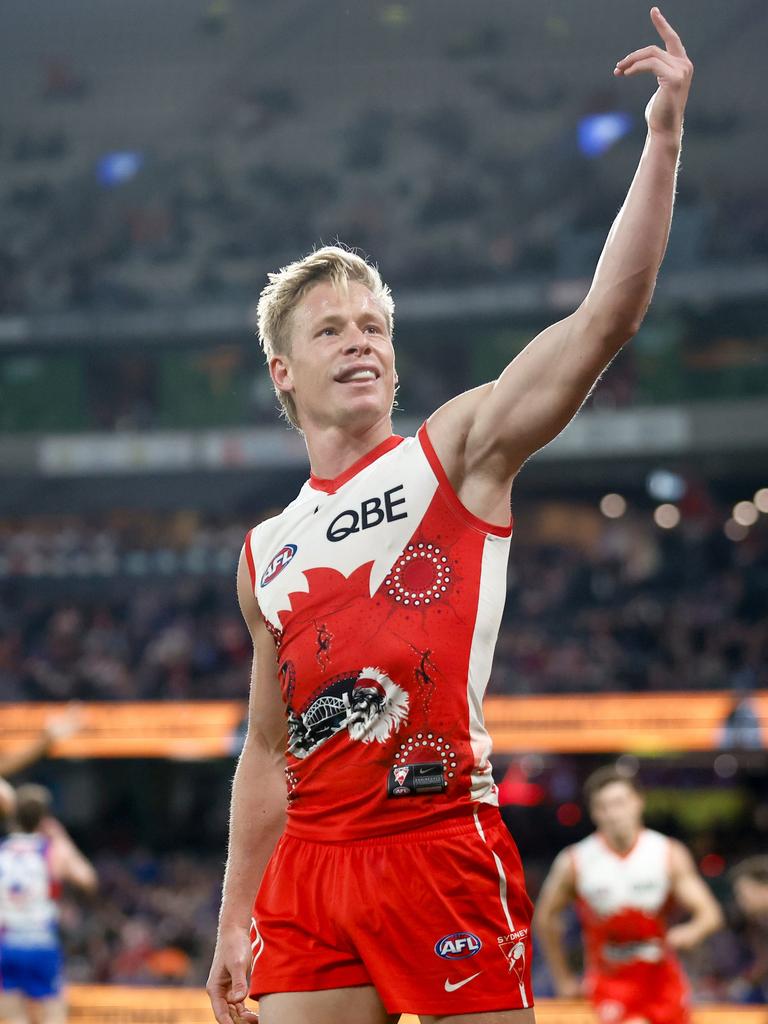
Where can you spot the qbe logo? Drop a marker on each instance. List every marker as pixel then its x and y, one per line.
pixel 278 563
pixel 458 946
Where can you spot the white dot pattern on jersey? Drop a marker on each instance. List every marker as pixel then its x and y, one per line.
pixel 420 555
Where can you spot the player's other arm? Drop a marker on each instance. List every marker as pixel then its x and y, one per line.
pixel 257 815
pixel 692 893
pixel 59 727
pixel 557 892
pixel 69 864
pixel 498 426
pixel 7 799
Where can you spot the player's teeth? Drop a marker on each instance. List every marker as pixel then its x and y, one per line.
pixel 362 375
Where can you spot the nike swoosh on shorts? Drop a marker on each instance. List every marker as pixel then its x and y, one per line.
pixel 451 986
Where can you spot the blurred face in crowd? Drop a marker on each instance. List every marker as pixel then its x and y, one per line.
pixel 751 897
pixel 341 365
pixel 617 811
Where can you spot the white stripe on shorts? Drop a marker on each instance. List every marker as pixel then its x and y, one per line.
pixel 257 945
pixel 502 894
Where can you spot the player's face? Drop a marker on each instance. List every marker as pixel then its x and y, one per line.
pixel 341 368
pixel 617 811
pixel 752 897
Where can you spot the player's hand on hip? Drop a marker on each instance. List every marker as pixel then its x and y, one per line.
pixel 673 70
pixel 569 988
pixel 227 984
pixel 683 937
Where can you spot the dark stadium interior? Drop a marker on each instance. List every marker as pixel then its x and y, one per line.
pixel 158 160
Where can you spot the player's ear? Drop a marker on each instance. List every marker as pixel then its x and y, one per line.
pixel 280 372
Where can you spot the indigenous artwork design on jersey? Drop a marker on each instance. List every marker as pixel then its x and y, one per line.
pixel 368 704
pixel 384 620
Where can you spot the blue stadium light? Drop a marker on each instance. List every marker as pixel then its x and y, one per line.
pixel 664 485
pixel 117 168
pixel 598 132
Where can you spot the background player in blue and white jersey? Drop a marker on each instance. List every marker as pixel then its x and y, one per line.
pixel 35 860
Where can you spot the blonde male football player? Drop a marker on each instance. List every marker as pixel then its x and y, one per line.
pixel 369 872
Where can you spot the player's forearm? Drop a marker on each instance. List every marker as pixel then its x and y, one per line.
pixel 626 272
pixel 257 819
pixel 550 933
pixel 12 764
pixel 707 921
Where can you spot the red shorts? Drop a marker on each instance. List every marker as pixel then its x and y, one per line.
pixel 438 922
pixel 657 993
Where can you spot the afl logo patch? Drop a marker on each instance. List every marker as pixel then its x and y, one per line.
pixel 278 563
pixel 458 946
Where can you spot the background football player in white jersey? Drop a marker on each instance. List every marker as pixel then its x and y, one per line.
pixel 623 878
pixel 35 860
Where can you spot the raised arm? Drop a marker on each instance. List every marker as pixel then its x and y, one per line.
pixel 68 863
pixel 58 727
pixel 557 892
pixel 693 894
pixel 485 435
pixel 257 815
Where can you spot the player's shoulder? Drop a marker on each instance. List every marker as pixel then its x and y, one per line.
pixel 651 837
pixel 565 863
pixel 278 518
pixel 589 842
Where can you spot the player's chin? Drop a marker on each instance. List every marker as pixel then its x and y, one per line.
pixel 369 402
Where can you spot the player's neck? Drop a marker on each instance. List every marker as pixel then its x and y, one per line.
pixel 332 450
pixel 622 843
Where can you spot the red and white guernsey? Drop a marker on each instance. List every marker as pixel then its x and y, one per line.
pixel 384 596
pixel 622 901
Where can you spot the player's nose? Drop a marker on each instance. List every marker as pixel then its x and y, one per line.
pixel 356 342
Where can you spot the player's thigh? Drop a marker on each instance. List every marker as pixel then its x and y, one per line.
pixel 12 1008
pixel 360 1005
pixel 46 1011
pixel 493 1017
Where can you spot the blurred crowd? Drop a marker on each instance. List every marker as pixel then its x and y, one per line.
pixel 206 225
pixel 121 612
pixel 468 172
pixel 646 610
pixel 154 921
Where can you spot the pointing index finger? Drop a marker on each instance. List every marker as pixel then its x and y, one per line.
pixel 672 40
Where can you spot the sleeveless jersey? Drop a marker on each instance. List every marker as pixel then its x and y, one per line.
pixel 384 596
pixel 28 911
pixel 622 900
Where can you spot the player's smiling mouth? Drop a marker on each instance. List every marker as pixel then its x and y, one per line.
pixel 357 374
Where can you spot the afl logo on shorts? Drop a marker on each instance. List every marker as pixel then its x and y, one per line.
pixel 458 946
pixel 278 563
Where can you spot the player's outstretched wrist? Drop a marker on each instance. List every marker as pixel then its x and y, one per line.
pixel 671 136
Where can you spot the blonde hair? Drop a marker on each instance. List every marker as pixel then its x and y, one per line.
pixel 290 284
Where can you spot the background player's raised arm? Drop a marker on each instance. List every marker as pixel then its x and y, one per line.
pixel 693 894
pixel 68 863
pixel 488 433
pixel 58 727
pixel 257 816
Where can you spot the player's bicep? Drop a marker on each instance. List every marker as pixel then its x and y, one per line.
pixel 540 391
pixel 688 887
pixel 266 713
pixel 559 888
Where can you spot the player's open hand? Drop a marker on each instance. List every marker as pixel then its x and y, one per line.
pixel 227 985
pixel 673 71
